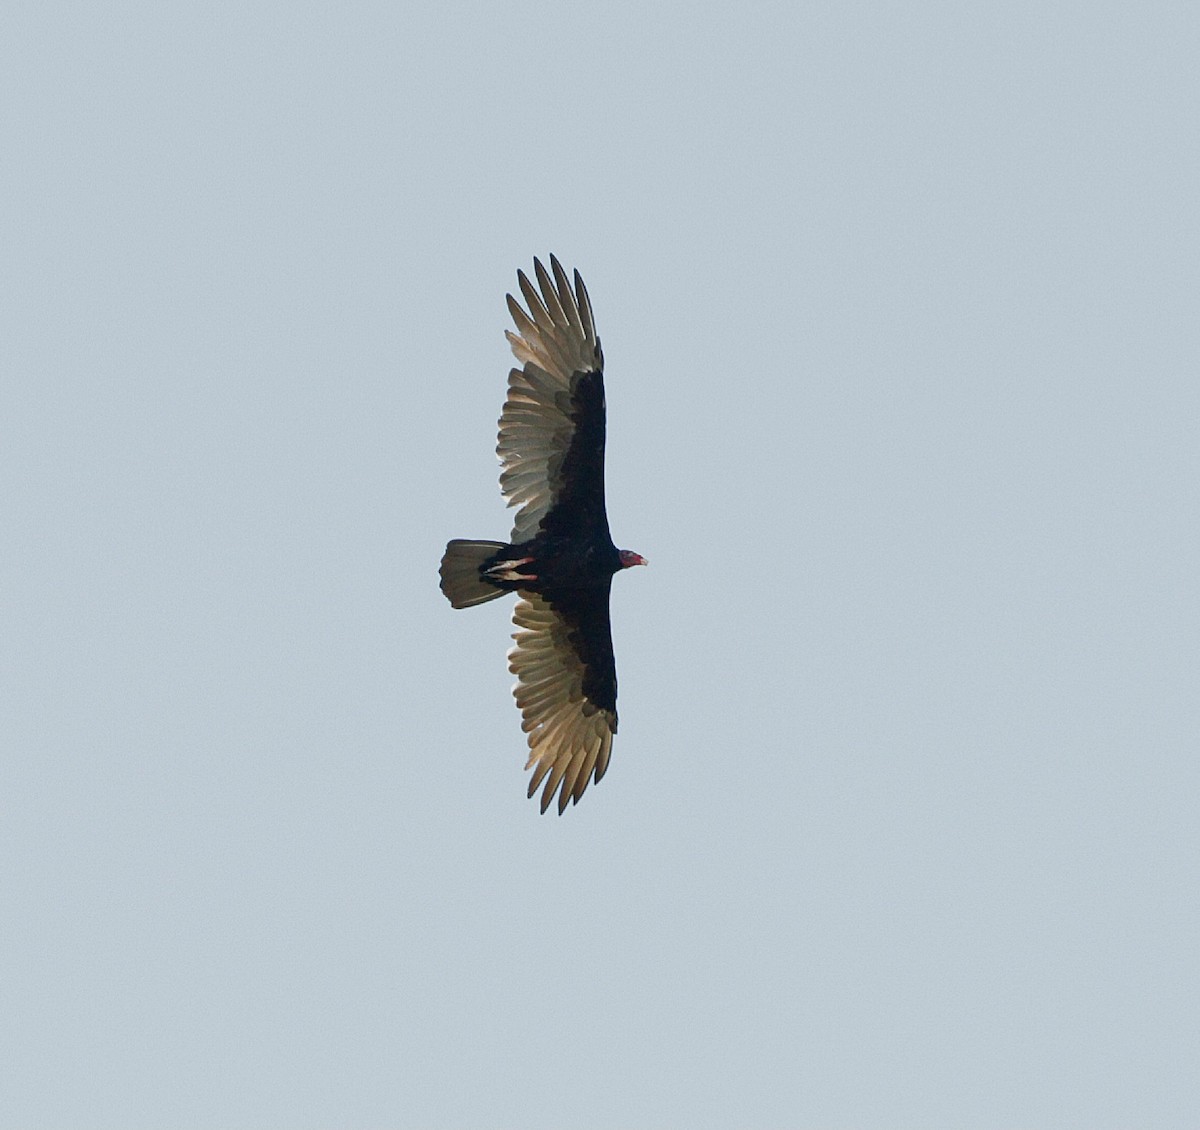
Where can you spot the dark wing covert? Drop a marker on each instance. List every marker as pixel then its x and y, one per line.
pixel 566 689
pixel 558 392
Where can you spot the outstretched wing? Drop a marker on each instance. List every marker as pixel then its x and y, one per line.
pixel 566 689
pixel 551 441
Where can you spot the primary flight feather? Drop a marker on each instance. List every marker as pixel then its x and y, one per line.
pixel 560 559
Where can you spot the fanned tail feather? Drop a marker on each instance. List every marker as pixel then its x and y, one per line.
pixel 459 571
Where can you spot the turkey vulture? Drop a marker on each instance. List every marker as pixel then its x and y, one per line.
pixel 560 559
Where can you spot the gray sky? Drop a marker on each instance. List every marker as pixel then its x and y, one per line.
pixel 899 310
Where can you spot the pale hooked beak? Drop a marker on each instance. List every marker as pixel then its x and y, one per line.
pixel 629 558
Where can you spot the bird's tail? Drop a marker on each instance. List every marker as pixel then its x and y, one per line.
pixel 461 581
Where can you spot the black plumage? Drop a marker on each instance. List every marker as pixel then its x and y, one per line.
pixel 560 559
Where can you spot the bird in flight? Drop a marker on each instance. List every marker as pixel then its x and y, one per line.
pixel 560 559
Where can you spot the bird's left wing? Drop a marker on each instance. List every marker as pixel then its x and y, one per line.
pixel 566 689
pixel 551 441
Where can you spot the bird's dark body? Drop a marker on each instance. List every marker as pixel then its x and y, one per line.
pixel 560 564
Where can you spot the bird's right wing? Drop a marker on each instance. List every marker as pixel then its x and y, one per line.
pixel 566 689
pixel 552 428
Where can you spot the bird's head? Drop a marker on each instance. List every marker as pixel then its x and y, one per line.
pixel 629 558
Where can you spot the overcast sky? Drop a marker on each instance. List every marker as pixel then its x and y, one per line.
pixel 899 309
